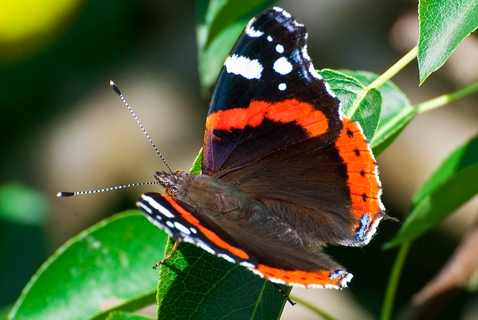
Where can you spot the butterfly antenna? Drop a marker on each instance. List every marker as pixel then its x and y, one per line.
pixel 118 92
pixel 129 185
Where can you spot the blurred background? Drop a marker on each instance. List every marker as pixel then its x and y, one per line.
pixel 64 129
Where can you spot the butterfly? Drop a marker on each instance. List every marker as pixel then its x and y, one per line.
pixel 284 172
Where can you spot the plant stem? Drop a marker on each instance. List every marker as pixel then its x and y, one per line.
pixel 390 294
pixel 393 70
pixel 313 308
pixel 445 99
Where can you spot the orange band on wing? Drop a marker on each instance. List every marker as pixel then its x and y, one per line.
pixel 306 278
pixel 362 180
pixel 185 214
pixel 313 121
pixel 205 231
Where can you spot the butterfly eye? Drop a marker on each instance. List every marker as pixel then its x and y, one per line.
pixel 173 192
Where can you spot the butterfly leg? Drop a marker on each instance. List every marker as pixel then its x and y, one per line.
pixel 173 251
pixel 283 293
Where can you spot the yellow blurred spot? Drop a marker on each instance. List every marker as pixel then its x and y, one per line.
pixel 27 26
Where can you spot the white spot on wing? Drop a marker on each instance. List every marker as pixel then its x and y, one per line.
pixel 282 66
pixel 158 207
pixel 275 280
pixel 247 264
pixel 170 224
pixel 251 32
pixel 313 72
pixel 240 65
pixel 257 272
pixel 282 86
pixel 305 54
pixel 280 48
pixel 160 225
pixel 329 90
pixel 226 257
pixel 284 13
pixel 200 244
pixel 269 38
pixel 144 207
pixel 181 228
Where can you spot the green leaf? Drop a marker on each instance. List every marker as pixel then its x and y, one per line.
pixel 196 284
pixel 444 24
pixel 368 112
pixel 390 129
pixel 197 164
pixel 348 89
pixel 449 187
pixel 220 24
pixel 397 110
pixel 121 315
pixel 104 268
pixel 21 204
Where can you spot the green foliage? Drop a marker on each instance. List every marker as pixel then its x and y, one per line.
pixel 356 101
pixel 103 268
pixel 216 289
pixel 121 315
pixel 21 204
pixel 443 26
pixel 451 185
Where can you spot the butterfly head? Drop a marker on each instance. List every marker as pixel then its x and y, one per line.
pixel 174 183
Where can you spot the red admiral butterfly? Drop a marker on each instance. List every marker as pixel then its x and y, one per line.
pixel 284 173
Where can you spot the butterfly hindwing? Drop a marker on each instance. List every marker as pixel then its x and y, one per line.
pixel 184 223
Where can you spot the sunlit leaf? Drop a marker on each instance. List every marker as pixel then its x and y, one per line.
pixel 444 25
pixel 105 267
